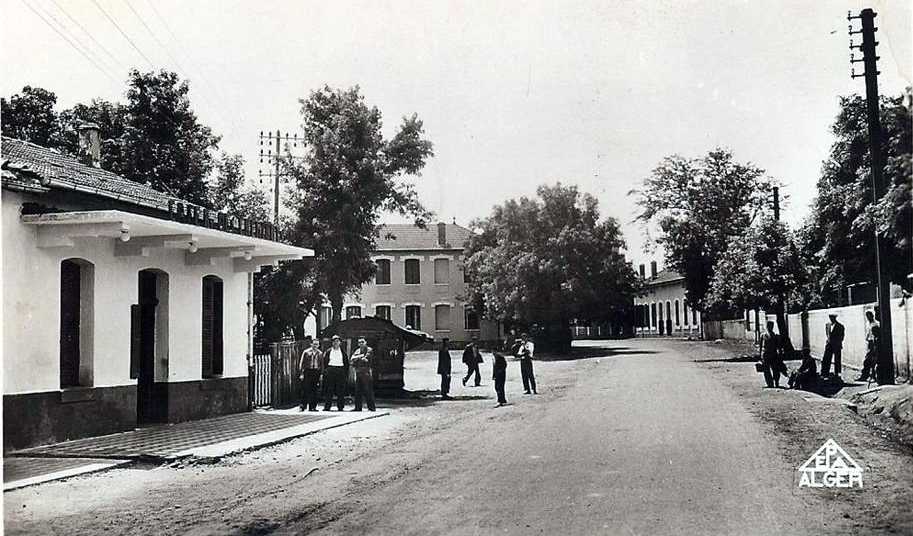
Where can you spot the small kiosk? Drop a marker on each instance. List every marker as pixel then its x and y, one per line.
pixel 389 341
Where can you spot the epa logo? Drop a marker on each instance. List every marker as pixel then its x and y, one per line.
pixel 830 467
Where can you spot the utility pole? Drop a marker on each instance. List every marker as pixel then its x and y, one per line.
pixel 885 368
pixel 276 160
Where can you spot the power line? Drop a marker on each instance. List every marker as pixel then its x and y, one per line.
pixel 155 38
pixel 69 41
pixel 136 48
pixel 63 27
pixel 87 32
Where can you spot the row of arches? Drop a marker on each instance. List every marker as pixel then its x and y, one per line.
pixel 667 316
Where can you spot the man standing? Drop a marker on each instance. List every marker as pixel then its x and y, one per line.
pixel 472 357
pixel 362 361
pixel 772 357
pixel 833 347
pixel 525 353
pixel 310 364
pixel 443 368
pixel 335 371
pixel 500 377
pixel 872 337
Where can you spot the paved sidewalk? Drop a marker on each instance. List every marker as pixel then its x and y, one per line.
pixel 208 439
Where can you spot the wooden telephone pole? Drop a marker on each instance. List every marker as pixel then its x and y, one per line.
pixel 885 369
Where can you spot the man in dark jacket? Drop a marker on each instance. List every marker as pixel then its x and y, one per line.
pixel 833 347
pixel 472 357
pixel 443 368
pixel 362 361
pixel 500 377
pixel 310 364
pixel 335 373
pixel 772 357
pixel 805 376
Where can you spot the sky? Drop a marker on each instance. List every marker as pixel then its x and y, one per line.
pixel 513 94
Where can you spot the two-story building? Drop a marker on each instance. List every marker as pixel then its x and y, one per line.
pixel 663 309
pixel 122 305
pixel 420 284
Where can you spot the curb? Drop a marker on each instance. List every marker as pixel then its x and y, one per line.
pixel 68 473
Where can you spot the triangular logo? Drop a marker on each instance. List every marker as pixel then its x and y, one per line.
pixel 830 466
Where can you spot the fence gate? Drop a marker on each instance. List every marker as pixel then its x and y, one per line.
pixel 273 377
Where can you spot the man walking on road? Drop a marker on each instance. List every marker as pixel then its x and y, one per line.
pixel 335 371
pixel 872 336
pixel 362 361
pixel 472 357
pixel 444 368
pixel 525 353
pixel 833 347
pixel 310 364
pixel 772 357
pixel 500 377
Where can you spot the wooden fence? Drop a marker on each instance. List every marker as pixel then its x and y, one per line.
pixel 273 377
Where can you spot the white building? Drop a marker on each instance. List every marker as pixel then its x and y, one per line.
pixel 121 304
pixel 663 309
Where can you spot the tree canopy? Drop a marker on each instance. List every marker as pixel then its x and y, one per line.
pixel 30 116
pixel 350 174
pixel 698 205
pixel 836 238
pixel 548 261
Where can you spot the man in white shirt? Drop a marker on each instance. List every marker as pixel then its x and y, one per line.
pixel 335 372
pixel 525 352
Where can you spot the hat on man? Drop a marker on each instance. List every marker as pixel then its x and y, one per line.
pixel 336 338
pixel 833 316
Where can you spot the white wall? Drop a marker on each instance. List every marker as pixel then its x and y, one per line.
pixel 31 304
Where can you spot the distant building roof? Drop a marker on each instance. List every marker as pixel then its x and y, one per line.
pixel 410 237
pixel 664 277
pixel 39 168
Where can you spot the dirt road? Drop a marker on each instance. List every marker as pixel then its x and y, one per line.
pixel 633 437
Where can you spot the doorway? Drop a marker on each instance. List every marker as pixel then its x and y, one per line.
pixel 151 399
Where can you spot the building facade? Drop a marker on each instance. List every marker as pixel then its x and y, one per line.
pixel 419 284
pixel 663 309
pixel 122 305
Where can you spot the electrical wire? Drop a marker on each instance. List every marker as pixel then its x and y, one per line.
pixel 123 33
pixel 88 33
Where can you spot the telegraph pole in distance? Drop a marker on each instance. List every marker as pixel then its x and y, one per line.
pixel 885 369
pixel 276 160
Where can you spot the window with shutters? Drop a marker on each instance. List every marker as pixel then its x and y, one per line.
pixel 413 317
pixel 77 315
pixel 677 318
pixel 212 327
pixel 382 311
pixel 441 271
pixel 442 317
pixel 470 318
pixel 353 311
pixel 412 270
pixel 383 272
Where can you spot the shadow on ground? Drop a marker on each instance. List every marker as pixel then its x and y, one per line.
pixel 421 398
pixel 591 352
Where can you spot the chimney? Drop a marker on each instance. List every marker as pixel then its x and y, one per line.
pixel 442 234
pixel 89 144
pixel 652 269
pixel 643 271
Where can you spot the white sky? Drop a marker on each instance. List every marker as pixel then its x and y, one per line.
pixel 513 94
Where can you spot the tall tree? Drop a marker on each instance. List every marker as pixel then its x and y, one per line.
pixel 759 270
pixel 549 261
pixel 229 191
pixel 30 116
pixel 111 118
pixel 836 239
pixel 698 205
pixel 351 174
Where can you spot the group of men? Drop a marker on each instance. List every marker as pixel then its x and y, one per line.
pixel 773 355
pixel 337 370
pixel 523 349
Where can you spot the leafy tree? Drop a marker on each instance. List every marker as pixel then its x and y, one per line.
pixel 30 116
pixel 351 174
pixel 111 118
pixel 699 205
pixel 230 193
pixel 836 239
pixel 760 269
pixel 549 261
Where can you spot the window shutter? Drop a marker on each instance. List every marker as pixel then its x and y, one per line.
pixel 134 340
pixel 217 326
pixel 207 327
pixel 69 323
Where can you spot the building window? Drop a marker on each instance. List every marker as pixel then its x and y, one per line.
pixel 466 278
pixel 326 316
pixel 669 312
pixel 77 317
pixel 383 272
pixel 382 311
pixel 685 309
pixel 441 271
pixel 212 326
pixel 442 317
pixel 653 315
pixel 353 311
pixel 660 308
pixel 470 318
pixel 677 318
pixel 694 316
pixel 414 317
pixel 412 272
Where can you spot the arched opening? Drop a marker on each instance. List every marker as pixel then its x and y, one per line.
pixel 77 323
pixel 149 348
pixel 212 347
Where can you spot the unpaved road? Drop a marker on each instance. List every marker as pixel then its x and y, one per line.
pixel 631 438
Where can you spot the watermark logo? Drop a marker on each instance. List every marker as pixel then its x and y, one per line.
pixel 830 467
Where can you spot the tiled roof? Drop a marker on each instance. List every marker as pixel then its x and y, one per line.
pixel 663 277
pixel 410 237
pixel 34 167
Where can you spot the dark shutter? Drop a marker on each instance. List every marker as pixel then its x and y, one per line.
pixel 69 324
pixel 217 348
pixel 207 335
pixel 135 339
